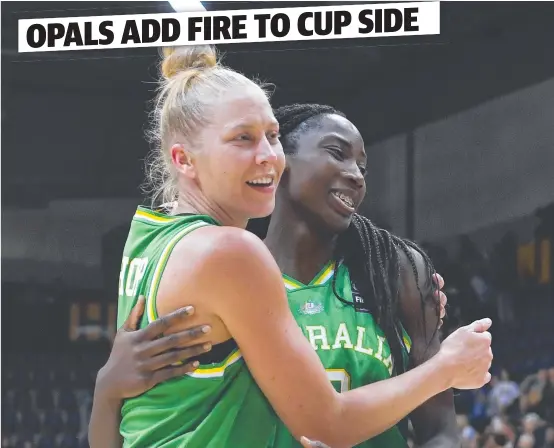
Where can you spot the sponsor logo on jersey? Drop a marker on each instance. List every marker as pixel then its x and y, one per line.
pixel 311 308
pixel 359 302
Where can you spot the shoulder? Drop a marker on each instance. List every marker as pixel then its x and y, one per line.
pixel 216 243
pixel 219 268
pixel 229 253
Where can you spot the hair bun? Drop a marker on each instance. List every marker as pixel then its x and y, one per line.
pixel 188 57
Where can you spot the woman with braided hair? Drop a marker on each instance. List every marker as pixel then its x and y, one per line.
pixel 375 299
pixel 262 384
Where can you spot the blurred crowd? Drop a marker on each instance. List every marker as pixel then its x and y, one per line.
pixel 508 414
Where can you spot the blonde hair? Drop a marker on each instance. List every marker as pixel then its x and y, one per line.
pixel 192 80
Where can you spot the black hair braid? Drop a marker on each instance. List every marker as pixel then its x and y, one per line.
pixel 372 256
pixel 430 271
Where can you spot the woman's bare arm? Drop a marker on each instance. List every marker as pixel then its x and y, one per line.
pixel 239 281
pixel 434 421
pixel 139 360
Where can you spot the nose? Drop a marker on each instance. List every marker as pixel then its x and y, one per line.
pixel 355 176
pixel 265 153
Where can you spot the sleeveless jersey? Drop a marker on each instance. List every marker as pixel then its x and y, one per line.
pixel 351 346
pixel 217 406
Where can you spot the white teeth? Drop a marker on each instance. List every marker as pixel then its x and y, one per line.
pixel 261 181
pixel 346 199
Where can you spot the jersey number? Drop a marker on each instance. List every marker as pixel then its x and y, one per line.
pixel 132 271
pixel 340 378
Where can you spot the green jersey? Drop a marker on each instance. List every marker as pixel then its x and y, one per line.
pixel 219 405
pixel 351 346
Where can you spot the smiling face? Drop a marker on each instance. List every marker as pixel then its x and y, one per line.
pixel 325 172
pixel 238 159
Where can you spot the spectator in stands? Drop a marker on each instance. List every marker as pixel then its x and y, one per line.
pixel 526 441
pixel 531 423
pixel 502 395
pixel 484 293
pixel 492 440
pixel 532 389
pixel 500 425
pixel 469 434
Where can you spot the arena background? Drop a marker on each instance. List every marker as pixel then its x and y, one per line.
pixel 459 130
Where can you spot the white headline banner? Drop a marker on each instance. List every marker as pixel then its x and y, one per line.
pixel 237 26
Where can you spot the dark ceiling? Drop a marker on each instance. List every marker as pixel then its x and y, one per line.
pixel 386 86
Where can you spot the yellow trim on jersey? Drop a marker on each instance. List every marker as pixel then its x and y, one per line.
pixel 341 376
pixel 152 216
pixel 214 372
pixel 291 284
pixel 324 275
pixel 408 343
pixel 151 306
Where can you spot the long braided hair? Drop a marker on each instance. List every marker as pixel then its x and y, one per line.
pixel 371 254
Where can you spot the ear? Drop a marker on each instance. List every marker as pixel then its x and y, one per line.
pixel 183 160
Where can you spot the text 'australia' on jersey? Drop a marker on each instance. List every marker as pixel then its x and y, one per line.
pixel 351 346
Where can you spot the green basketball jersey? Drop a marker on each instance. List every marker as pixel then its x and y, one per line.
pixel 349 343
pixel 217 406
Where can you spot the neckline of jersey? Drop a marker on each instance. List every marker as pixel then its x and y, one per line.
pixel 321 278
pixel 164 217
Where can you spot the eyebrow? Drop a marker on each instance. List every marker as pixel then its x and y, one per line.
pixel 335 136
pixel 343 142
pixel 244 126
